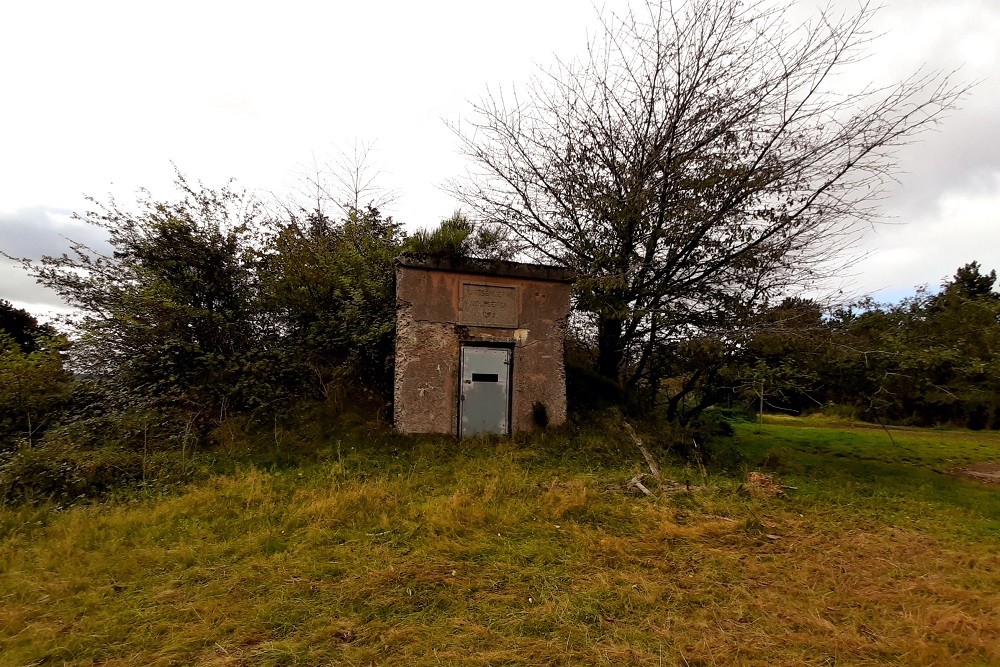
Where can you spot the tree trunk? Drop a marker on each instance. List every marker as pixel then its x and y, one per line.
pixel 673 406
pixel 609 348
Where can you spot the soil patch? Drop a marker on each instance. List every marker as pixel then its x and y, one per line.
pixel 987 471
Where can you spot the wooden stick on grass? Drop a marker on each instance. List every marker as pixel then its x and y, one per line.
pixel 650 461
pixel 637 483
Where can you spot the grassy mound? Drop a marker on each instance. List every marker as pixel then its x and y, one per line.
pixel 379 549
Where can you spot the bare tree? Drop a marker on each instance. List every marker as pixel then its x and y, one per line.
pixel 697 163
pixel 349 181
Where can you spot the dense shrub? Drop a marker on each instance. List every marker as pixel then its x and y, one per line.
pixel 587 390
pixel 711 423
pixel 62 471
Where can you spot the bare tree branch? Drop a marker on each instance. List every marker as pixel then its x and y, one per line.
pixel 698 162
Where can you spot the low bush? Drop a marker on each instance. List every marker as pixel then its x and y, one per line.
pixel 94 455
pixel 587 390
pixel 711 423
pixel 61 471
pixel 840 411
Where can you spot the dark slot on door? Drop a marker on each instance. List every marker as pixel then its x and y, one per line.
pixel 485 377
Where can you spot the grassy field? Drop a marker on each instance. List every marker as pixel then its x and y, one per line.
pixel 385 550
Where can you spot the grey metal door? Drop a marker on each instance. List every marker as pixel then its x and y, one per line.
pixel 485 396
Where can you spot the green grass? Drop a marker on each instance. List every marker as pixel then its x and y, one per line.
pixel 903 475
pixel 378 549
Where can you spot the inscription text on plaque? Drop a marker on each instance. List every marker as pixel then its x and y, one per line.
pixel 488 306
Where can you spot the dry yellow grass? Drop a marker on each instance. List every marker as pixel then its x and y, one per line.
pixel 498 555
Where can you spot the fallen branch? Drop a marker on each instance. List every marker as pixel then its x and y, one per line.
pixel 650 461
pixel 637 483
pixel 701 466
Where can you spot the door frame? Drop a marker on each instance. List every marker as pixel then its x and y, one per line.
pixel 502 345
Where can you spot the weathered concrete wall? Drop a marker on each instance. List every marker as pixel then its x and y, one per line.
pixel 433 321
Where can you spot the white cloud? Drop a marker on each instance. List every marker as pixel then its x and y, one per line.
pixel 101 96
pixel 962 227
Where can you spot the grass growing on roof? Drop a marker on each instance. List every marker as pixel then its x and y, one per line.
pixel 386 550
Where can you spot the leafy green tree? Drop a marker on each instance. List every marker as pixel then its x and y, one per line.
pixel 784 357
pixel 773 362
pixel 22 327
pixel 33 384
pixel 171 314
pixel 458 236
pixel 968 284
pixel 946 350
pixel 928 359
pixel 452 238
pixel 329 285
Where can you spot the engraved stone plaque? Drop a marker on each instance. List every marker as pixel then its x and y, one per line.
pixel 488 306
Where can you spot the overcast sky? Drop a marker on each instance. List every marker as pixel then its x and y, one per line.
pixel 99 98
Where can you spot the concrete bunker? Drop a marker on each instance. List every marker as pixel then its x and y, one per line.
pixel 479 345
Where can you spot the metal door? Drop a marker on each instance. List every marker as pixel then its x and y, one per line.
pixel 485 395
